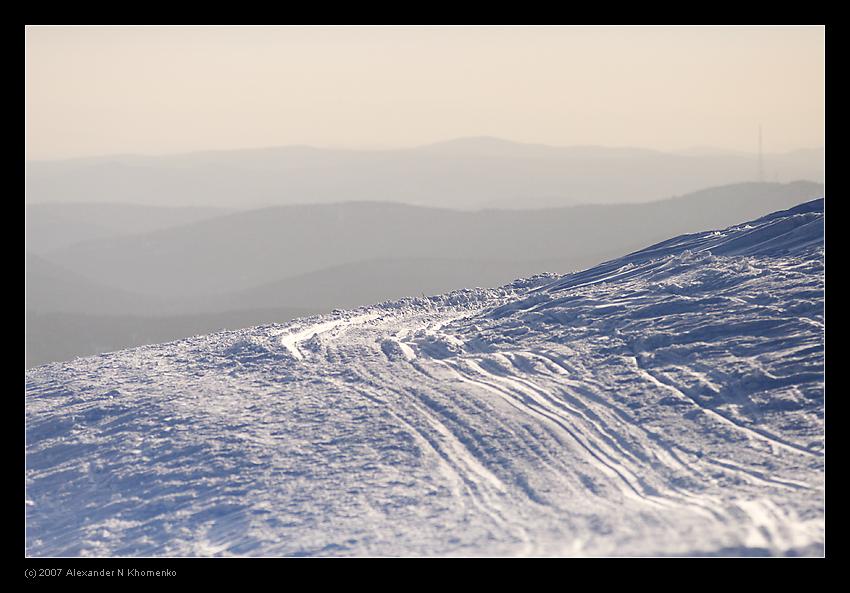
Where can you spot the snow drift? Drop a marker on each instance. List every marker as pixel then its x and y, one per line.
pixel 668 402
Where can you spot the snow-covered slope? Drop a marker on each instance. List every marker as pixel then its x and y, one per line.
pixel 669 402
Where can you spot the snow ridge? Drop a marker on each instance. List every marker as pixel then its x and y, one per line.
pixel 666 403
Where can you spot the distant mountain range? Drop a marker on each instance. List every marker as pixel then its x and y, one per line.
pixel 467 173
pixel 193 266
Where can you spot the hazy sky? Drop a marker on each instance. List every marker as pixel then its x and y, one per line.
pixel 99 90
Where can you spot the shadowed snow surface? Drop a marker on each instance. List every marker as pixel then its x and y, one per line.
pixel 669 402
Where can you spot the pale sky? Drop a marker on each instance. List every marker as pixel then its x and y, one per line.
pixel 103 90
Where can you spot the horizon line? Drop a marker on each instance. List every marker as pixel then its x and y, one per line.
pixel 695 150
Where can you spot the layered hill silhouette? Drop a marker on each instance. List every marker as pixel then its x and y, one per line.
pixel 467 173
pixel 246 250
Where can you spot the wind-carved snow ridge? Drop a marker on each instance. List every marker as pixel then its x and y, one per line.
pixel 666 403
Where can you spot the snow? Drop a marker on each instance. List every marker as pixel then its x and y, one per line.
pixel 669 402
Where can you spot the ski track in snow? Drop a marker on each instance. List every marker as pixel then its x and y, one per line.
pixel 667 403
